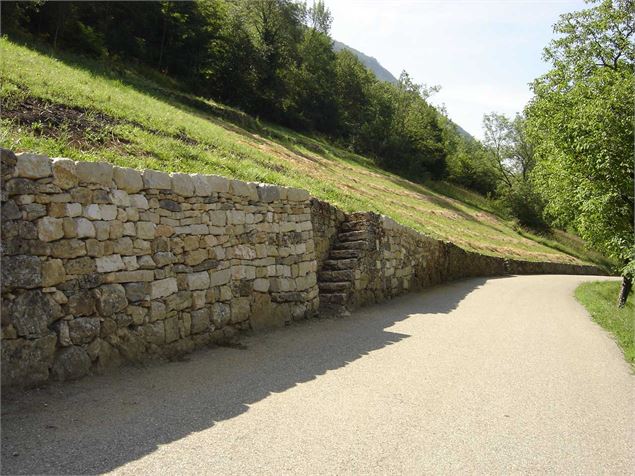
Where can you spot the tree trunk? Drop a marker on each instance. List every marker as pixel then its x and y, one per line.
pixel 627 284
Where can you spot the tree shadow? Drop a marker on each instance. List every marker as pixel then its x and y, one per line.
pixel 100 423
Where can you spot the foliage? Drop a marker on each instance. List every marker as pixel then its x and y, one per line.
pixel 599 300
pixel 271 58
pixel 581 122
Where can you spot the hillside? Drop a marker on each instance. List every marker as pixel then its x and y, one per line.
pixel 91 111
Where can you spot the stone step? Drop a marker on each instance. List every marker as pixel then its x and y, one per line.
pixel 339 254
pixel 353 235
pixel 334 286
pixel 335 276
pixel 351 245
pixel 353 225
pixel 334 264
pixel 333 298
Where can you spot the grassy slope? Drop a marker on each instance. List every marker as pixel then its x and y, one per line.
pixel 600 299
pixel 91 111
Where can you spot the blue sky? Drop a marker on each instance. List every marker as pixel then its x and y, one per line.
pixel 483 53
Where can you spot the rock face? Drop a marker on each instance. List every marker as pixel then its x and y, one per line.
pixel 104 264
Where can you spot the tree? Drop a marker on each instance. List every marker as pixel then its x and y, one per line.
pixel 581 122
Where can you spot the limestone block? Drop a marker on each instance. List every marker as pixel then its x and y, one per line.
pixel 129 276
pixel 64 173
pixel 225 293
pixel 71 363
pixel 63 333
pixel 73 209
pixel 179 301
pixel 157 310
pixel 297 195
pixel 268 193
pixel 136 292
pixel 95 172
pixel 129 229
pixel 92 212
pixel 83 330
pixel 164 287
pixel 136 201
pixel 145 262
pixel 53 272
pixel 199 229
pixel 218 218
pixel 50 229
pixel 244 252
pixel 21 271
pixel 242 271
pixel 202 186
pixel 31 313
pixel 131 263
pixel 127 179
pixel 217 184
pixel 111 298
pixel 197 280
pixel 154 333
pixel 261 285
pixel 171 330
pixel 244 189
pixel 145 230
pixel 218 278
pixel 235 217
pixel 170 205
pixel 32 166
pixel 81 303
pixel 200 321
pixel 102 230
pixel 107 264
pixel 182 184
pixel 116 230
pixel 108 212
pixel 221 314
pixel 120 198
pixel 156 180
pixel 196 257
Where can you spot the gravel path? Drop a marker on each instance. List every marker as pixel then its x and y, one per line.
pixel 483 376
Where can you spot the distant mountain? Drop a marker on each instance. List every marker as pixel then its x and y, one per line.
pixel 463 132
pixel 368 61
pixel 384 75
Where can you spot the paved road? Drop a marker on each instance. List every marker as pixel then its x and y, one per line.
pixel 484 376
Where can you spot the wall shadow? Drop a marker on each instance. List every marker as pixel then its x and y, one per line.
pixel 100 423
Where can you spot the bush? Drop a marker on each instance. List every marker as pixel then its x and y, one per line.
pixel 521 202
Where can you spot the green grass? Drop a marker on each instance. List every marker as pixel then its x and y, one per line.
pixel 600 299
pixel 90 110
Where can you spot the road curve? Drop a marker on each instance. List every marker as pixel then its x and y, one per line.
pixel 482 376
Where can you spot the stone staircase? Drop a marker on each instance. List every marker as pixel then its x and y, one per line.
pixel 336 279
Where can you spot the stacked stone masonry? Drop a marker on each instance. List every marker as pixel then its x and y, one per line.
pixel 103 265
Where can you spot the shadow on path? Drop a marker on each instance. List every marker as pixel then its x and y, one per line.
pixel 101 423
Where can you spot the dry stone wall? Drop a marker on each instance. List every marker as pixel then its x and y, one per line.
pixel 373 258
pixel 103 264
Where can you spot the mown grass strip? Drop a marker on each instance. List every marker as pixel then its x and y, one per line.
pixel 600 299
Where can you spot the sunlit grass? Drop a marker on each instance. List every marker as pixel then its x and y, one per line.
pixel 600 299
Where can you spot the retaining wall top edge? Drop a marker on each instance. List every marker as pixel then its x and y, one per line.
pixel 68 173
